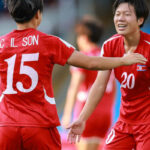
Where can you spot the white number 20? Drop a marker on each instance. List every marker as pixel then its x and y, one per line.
pixel 129 80
pixel 27 70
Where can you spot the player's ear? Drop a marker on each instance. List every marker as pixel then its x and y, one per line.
pixel 140 21
pixel 38 14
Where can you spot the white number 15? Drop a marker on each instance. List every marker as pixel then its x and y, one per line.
pixel 24 69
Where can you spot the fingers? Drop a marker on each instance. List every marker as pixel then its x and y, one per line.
pixel 132 58
pixel 76 129
pixel 73 138
pixel 141 61
pixel 79 137
pixel 137 55
pixel 141 58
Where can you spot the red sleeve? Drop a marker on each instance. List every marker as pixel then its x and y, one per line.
pixel 76 69
pixel 109 47
pixel 61 51
pixel 106 50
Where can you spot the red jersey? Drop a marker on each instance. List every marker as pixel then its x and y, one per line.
pixel 90 76
pixel 27 58
pixel 134 80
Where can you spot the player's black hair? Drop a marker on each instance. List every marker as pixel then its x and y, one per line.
pixel 140 6
pixel 23 11
pixel 90 27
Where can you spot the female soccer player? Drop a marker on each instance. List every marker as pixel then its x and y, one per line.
pixel 132 130
pixel 28 115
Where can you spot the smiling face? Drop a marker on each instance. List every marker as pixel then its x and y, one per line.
pixel 125 20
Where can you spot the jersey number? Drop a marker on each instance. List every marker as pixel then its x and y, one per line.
pixel 129 80
pixel 27 70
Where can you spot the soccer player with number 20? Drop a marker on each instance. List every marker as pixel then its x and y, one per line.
pixel 132 130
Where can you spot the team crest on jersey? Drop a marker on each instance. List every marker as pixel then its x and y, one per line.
pixel 141 67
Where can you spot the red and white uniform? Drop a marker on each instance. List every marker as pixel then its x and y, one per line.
pixel 135 87
pixel 100 120
pixel 28 114
pixel 27 58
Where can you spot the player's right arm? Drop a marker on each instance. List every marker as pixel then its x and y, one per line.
pixel 104 63
pixel 95 95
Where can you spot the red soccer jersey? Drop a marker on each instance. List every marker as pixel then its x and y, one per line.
pixel 27 58
pixel 90 76
pixel 134 80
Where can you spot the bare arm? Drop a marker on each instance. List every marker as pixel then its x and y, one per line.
pixel 76 80
pixel 104 63
pixel 96 93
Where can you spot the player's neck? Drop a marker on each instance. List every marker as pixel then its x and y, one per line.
pixel 89 46
pixel 131 41
pixel 31 24
pixel 25 26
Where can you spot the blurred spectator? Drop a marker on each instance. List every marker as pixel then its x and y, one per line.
pixel 89 32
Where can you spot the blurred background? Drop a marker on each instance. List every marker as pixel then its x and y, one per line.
pixel 59 18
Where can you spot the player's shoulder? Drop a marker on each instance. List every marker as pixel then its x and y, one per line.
pixel 54 40
pixel 51 37
pixel 5 35
pixel 45 35
pixel 146 38
pixel 48 39
pixel 113 39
